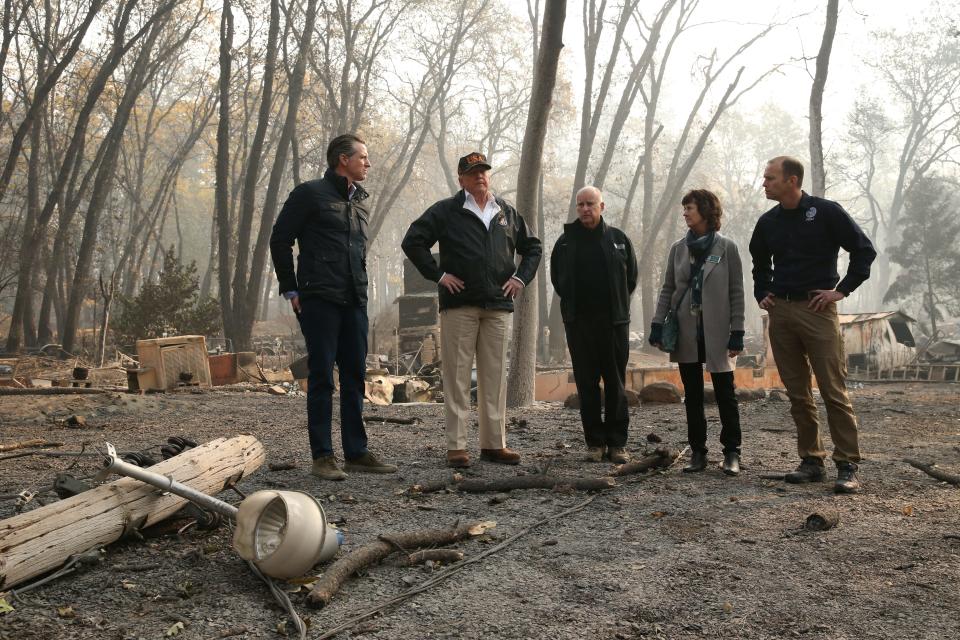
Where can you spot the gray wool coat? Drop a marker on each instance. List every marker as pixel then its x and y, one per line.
pixel 722 302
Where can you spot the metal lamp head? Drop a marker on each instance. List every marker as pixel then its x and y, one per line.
pixel 284 533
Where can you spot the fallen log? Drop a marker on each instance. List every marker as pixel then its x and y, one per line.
pixel 374 552
pixel 822 520
pixel 55 391
pixel 436 555
pixel 29 444
pixel 432 486
pixel 661 458
pixel 534 482
pixel 932 471
pixel 39 540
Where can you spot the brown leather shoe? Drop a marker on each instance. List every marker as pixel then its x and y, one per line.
pixel 500 456
pixel 458 458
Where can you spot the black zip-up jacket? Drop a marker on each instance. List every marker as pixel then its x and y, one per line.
pixel 621 270
pixel 802 244
pixel 331 232
pixel 482 258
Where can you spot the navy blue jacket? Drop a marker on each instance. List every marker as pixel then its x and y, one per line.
pixel 795 250
pixel 331 232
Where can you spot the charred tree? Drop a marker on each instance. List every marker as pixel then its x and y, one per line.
pixel 817 170
pixel 522 378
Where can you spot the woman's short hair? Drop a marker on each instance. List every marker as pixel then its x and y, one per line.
pixel 708 204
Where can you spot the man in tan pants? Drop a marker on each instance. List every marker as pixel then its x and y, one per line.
pixel 794 248
pixel 479 235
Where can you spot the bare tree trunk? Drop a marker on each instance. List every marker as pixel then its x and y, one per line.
pixel 817 170
pixel 206 283
pixel 267 287
pixel 241 278
pixel 523 365
pixel 21 320
pixel 222 189
pixel 543 309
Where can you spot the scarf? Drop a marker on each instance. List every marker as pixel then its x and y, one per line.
pixel 699 248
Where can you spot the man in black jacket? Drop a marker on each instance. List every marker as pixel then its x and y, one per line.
pixel 479 234
pixel 594 271
pixel 795 279
pixel 328 293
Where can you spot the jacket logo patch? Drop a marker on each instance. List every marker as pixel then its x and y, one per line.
pixel 619 246
pixel 713 259
pixel 811 214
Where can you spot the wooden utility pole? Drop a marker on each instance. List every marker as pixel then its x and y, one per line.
pixel 37 541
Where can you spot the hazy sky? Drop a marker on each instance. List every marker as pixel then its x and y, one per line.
pixel 725 24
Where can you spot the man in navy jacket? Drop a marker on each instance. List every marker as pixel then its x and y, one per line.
pixel 328 292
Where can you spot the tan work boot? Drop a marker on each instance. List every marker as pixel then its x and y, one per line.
pixel 500 456
pixel 458 458
pixel 618 455
pixel 326 468
pixel 369 463
pixel 595 454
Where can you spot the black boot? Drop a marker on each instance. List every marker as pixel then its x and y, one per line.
pixel 731 463
pixel 810 470
pixel 846 478
pixel 698 462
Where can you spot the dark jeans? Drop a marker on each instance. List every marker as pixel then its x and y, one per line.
pixel 599 351
pixel 692 375
pixel 335 334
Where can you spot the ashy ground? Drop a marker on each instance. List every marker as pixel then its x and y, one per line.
pixel 669 555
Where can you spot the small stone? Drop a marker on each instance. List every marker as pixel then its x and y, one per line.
pixel 76 420
pixel 665 392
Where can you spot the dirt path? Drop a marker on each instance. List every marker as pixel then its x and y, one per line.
pixel 669 556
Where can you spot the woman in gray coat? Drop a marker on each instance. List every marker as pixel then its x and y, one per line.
pixel 703 284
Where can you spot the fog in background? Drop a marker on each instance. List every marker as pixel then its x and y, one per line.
pixel 111 155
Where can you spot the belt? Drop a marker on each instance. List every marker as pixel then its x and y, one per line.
pixel 794 296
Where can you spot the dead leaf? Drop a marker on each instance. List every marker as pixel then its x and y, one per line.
pixel 5 607
pixel 66 612
pixel 282 627
pixel 174 629
pixel 481 527
pixel 727 607
pixel 126 584
pixel 659 514
pixel 908 510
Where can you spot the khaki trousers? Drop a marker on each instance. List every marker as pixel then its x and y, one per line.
pixel 804 339
pixel 466 332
